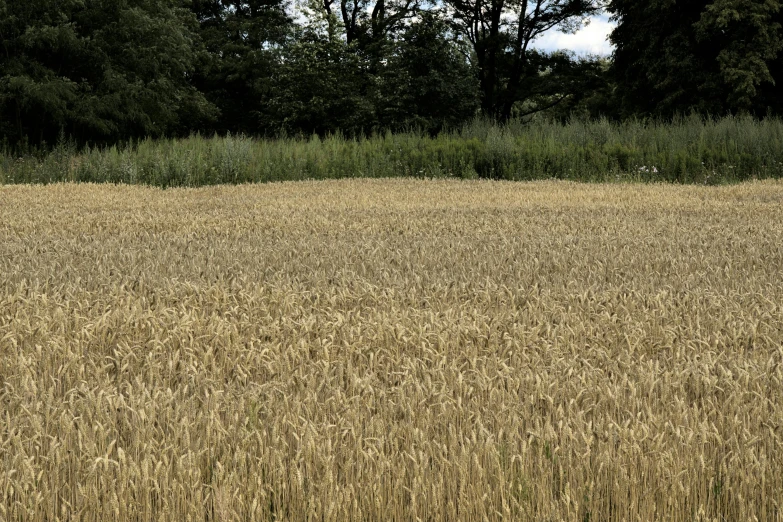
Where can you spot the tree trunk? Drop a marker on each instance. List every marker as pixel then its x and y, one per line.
pixel 520 58
pixel 349 21
pixel 489 76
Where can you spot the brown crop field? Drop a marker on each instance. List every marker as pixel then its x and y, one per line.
pixel 378 350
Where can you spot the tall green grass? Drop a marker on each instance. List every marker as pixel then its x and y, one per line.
pixel 689 150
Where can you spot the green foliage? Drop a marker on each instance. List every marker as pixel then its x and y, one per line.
pixel 510 71
pixel 109 72
pixel 322 86
pixel 102 70
pixel 687 151
pixel 751 37
pixel 419 81
pixel 237 71
pixel 426 83
pixel 712 57
pixel 573 87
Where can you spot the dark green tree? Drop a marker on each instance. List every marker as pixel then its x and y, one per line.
pixel 322 85
pixel 427 82
pixel 98 70
pixel 369 28
pixel 748 37
pixel 244 41
pixel 501 33
pixel 414 77
pixel 712 57
pixel 568 86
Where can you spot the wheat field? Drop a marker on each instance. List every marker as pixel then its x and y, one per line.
pixel 392 350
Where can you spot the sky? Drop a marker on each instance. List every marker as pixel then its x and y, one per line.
pixel 593 39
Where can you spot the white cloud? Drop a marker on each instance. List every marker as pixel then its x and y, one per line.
pixel 593 39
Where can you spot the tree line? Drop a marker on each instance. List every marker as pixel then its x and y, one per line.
pixel 103 71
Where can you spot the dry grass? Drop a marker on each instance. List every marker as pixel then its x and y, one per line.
pixel 391 350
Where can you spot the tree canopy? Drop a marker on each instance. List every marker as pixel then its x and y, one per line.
pixel 712 57
pixel 102 71
pixel 98 69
